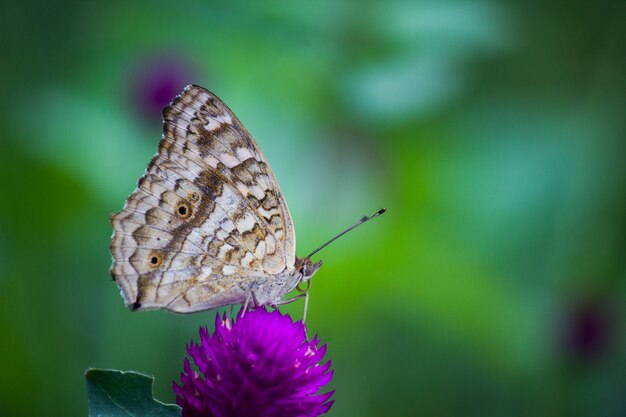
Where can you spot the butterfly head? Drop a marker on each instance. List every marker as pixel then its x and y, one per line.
pixel 306 268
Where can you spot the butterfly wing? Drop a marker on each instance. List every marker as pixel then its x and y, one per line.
pixel 206 219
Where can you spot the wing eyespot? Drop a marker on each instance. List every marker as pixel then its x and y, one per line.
pixel 155 260
pixel 183 210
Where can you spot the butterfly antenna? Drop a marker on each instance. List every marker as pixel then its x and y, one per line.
pixel 354 226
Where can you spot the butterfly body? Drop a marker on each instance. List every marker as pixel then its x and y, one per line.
pixel 207 225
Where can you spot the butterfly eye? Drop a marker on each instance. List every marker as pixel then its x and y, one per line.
pixel 183 210
pixel 155 260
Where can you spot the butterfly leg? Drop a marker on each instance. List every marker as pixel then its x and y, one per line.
pixel 245 305
pixel 306 307
pixel 254 299
pixel 304 295
pixel 249 298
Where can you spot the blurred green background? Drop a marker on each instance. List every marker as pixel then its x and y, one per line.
pixel 493 132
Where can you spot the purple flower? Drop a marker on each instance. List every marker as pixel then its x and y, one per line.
pixel 155 80
pixel 260 365
pixel 588 329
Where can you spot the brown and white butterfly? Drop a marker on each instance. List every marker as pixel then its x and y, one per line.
pixel 207 225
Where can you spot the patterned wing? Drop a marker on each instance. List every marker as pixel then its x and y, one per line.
pixel 207 218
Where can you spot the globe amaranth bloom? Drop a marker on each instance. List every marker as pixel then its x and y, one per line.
pixel 259 365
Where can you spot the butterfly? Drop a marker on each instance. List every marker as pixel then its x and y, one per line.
pixel 207 225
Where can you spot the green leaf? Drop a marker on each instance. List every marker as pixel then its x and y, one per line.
pixel 113 393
